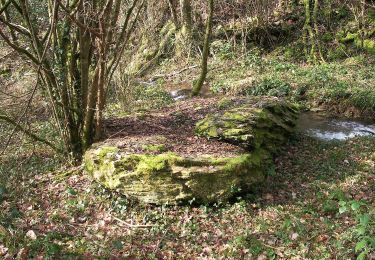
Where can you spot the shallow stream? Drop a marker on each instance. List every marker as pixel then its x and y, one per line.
pixel 326 128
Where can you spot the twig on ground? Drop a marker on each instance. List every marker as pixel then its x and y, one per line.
pixel 132 225
pixel 6 55
pixel 175 73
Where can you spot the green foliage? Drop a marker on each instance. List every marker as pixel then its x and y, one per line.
pixel 222 49
pixel 138 97
pixel 363 98
pixel 364 230
pixel 253 60
pixel 219 87
pixel 270 87
pixel 147 97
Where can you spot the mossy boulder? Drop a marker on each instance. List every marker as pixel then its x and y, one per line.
pixel 256 123
pixel 174 170
pixel 168 178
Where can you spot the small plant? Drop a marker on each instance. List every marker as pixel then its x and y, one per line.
pixel 364 229
pixel 219 87
pixel 222 49
pixel 254 60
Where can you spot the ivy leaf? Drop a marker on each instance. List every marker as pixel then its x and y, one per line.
pixel 355 205
pixel 360 245
pixel 342 209
pixel 118 244
pixel 362 256
pixel 361 230
pixel 71 191
pixel 364 219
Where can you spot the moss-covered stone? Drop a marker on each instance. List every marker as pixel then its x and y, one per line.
pixel 171 179
pixel 156 176
pixel 253 124
pixel 154 148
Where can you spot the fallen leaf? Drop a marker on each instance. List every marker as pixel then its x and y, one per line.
pixel 294 236
pixel 31 234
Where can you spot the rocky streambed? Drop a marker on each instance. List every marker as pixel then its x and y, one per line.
pixel 201 150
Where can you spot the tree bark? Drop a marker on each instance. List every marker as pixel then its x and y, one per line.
pixel 197 86
pixel 184 37
pixel 172 7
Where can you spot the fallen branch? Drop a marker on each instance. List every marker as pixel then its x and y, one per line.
pixel 132 225
pixel 28 132
pixel 173 73
pixel 7 55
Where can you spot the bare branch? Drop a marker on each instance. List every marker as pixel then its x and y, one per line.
pixel 27 132
pixel 5 6
pixel 18 48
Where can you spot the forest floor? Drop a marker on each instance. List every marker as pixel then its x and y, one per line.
pixel 318 203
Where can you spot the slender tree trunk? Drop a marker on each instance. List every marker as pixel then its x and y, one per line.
pixel 316 29
pixel 172 7
pixel 362 23
pixel 308 34
pixel 206 50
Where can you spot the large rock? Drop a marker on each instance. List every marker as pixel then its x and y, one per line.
pixel 213 171
pixel 255 123
pixel 167 178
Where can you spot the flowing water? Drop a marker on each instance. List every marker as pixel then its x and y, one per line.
pixel 180 94
pixel 320 126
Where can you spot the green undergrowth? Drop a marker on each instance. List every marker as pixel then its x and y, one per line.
pixel 346 83
pixel 138 97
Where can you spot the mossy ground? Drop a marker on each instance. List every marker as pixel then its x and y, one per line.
pixel 295 214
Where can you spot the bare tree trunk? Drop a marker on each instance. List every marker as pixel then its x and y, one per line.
pixel 184 37
pixel 186 16
pixel 206 50
pixel 172 7
pixel 316 29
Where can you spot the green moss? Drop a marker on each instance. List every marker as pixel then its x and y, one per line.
pixel 169 178
pixel 224 103
pixel 156 163
pixel 106 151
pixel 251 127
pixel 159 148
pixel 245 161
pixel 236 115
pixel 206 126
pixel 368 44
pixel 349 37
